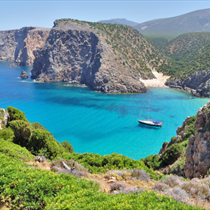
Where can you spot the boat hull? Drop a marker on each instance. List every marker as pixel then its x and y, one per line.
pixel 149 123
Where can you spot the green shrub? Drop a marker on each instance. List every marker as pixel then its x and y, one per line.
pixel 22 132
pixel 191 120
pixel 153 161
pixel 173 139
pixel 67 146
pixel 7 134
pixel 36 125
pixel 164 144
pixel 15 151
pixel 32 136
pixel 15 114
pixel 190 131
pixel 43 140
pixel 171 154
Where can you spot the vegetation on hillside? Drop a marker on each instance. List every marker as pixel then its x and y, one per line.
pixel 23 187
pixel 26 187
pixel 174 151
pixel 158 42
pixel 189 53
pixel 33 136
pixel 96 163
pixel 131 49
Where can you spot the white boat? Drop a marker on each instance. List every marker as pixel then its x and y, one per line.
pixel 150 122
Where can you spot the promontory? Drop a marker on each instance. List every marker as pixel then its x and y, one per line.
pixel 106 57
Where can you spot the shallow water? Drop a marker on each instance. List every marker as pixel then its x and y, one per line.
pixel 97 122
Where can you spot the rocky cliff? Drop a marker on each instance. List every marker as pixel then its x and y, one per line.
pixel 82 53
pixel 198 151
pixel 19 46
pixel 197 84
pixel 3 117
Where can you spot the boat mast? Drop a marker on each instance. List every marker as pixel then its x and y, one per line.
pixel 148 108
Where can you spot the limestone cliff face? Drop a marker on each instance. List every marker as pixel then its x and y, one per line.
pixel 198 150
pixel 3 117
pixel 197 84
pixel 78 54
pixel 20 46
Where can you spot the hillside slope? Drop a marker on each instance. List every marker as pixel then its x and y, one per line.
pixel 190 52
pixel 65 180
pixel 196 21
pixel 105 57
pixel 190 65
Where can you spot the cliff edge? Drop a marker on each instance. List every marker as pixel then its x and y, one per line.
pixel 20 46
pixel 197 162
pixel 81 53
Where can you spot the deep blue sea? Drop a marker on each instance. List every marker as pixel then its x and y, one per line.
pixel 97 122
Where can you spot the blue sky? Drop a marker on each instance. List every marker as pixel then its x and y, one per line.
pixel 16 14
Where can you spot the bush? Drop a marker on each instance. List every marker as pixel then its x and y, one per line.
pixel 173 139
pixel 191 120
pixel 117 186
pixel 178 194
pixel 22 132
pixel 161 187
pixel 171 181
pixel 153 161
pixel 32 136
pixel 7 134
pixel 15 151
pixel 67 146
pixel 43 140
pixel 15 114
pixel 36 125
pixel 190 130
pixel 164 144
pixel 171 154
pixel 140 174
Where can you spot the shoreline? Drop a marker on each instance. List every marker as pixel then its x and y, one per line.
pixel 159 82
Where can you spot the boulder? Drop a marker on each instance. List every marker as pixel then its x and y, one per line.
pixel 23 75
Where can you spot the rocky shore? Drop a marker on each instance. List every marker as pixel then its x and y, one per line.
pixel 196 84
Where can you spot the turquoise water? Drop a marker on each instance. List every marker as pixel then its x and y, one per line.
pixel 97 122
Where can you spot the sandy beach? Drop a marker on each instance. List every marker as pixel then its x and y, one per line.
pixel 159 82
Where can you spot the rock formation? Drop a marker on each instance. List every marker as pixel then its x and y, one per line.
pixel 76 53
pixel 3 117
pixel 197 84
pixel 198 150
pixel 23 75
pixel 19 46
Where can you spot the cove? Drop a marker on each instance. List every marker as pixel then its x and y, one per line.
pixel 97 122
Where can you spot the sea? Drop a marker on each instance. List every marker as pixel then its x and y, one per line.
pixel 95 122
